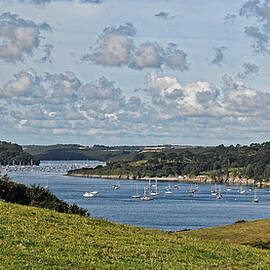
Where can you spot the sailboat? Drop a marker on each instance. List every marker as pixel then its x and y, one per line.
pixel 256 199
pixel 241 190
pixel 155 192
pixel 219 195
pixel 116 185
pixel 168 189
pixel 136 196
pixel 214 191
pixel 90 194
pixel 191 191
pixel 145 196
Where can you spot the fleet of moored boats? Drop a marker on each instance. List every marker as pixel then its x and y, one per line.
pixel 152 191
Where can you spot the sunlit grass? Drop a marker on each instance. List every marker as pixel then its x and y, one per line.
pixel 33 238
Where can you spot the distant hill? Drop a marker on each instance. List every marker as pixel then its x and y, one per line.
pixel 219 163
pixel 13 154
pixel 80 152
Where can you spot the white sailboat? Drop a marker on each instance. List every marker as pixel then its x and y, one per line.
pixel 241 190
pixel 168 189
pixel 219 195
pixel 145 196
pixel 191 191
pixel 136 196
pixel 214 191
pixel 116 185
pixel 88 194
pixel 155 192
pixel 256 198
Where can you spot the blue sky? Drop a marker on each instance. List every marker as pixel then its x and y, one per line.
pixel 120 72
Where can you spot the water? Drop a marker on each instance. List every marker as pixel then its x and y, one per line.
pixel 170 212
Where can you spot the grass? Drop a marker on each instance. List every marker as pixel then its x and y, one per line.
pixel 33 238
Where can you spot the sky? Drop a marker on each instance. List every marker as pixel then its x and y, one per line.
pixel 122 72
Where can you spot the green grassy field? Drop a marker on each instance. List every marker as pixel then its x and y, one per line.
pixel 33 238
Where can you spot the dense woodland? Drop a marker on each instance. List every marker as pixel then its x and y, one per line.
pixel 13 154
pixel 251 161
pixel 79 152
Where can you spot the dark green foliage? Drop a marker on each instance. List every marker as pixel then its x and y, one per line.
pixel 35 196
pixel 13 154
pixel 79 152
pixel 243 161
pixel 261 244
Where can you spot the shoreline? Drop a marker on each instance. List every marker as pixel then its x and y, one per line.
pixel 201 179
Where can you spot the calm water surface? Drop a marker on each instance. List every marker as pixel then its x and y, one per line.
pixel 170 212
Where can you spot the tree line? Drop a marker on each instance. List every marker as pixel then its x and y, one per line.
pixel 13 154
pixel 251 161
pixel 37 196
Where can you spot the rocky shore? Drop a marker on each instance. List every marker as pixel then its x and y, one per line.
pixel 200 179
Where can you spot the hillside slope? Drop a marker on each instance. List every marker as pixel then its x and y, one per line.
pixel 36 238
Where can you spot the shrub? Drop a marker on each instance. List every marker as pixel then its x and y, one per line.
pixel 37 196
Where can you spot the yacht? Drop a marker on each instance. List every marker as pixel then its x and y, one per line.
pixel 136 196
pixel 88 194
pixel 145 196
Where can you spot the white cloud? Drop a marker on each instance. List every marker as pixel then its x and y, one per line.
pixel 248 69
pixel 148 55
pixel 20 37
pixel 260 10
pixel 115 47
pixel 219 56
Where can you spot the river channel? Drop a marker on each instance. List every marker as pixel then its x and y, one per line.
pixel 176 211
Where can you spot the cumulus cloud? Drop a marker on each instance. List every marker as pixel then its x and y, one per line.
pixel 172 100
pixel 230 18
pixel 47 50
pixel 20 37
pixel 60 102
pixel 219 56
pixel 163 15
pixel 22 85
pixel 260 10
pixel 54 103
pixel 248 69
pixel 115 47
pixel 175 58
pixel 148 55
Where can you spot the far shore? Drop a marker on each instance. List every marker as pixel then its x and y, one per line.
pixel 201 179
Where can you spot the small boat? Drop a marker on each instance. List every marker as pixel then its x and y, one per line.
pixel 176 186
pixel 116 185
pixel 214 191
pixel 241 190
pixel 191 191
pixel 88 194
pixel 168 190
pixel 94 192
pixel 256 199
pixel 136 196
pixel 145 196
pixel 219 195
pixel 155 192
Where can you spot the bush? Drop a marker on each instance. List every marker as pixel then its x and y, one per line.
pixel 37 196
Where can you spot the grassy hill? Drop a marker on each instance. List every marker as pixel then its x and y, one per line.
pixel 34 238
